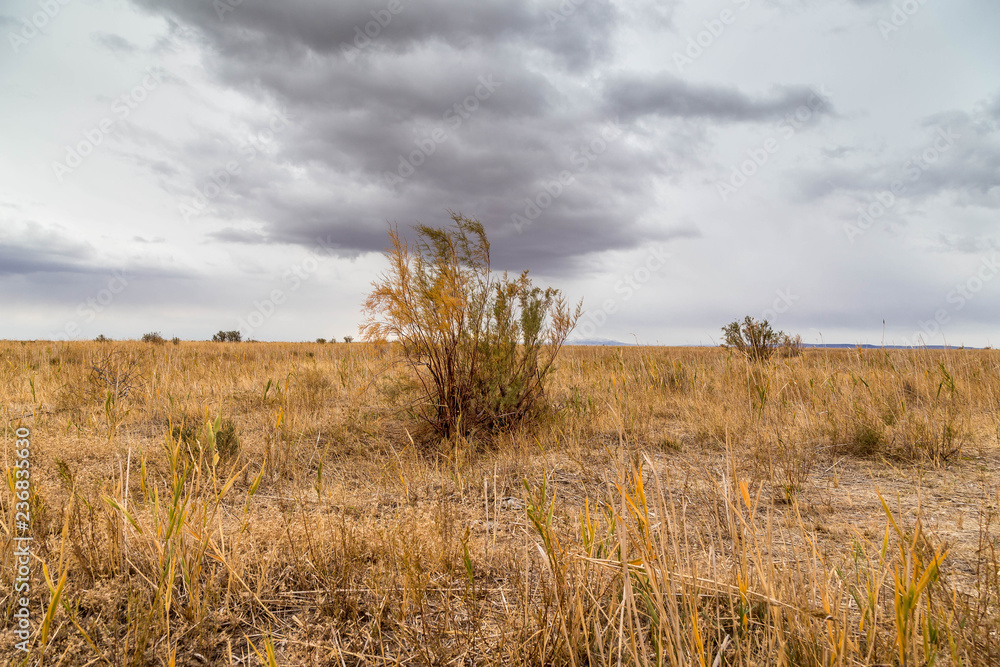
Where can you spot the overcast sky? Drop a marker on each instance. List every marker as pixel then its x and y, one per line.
pixel 187 166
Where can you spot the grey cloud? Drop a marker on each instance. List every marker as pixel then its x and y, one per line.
pixel 992 108
pixel 355 117
pixel 837 152
pixel 330 177
pixel 954 153
pixel 115 43
pixel 966 243
pixel 658 14
pixel 351 123
pixel 255 28
pixel 666 95
pixel 490 172
pixel 32 249
pixel 232 235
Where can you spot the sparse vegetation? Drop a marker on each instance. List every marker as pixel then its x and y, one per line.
pixel 675 506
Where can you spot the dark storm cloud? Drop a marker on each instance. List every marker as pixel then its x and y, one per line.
pixel 255 28
pixel 480 109
pixel 495 171
pixel 669 96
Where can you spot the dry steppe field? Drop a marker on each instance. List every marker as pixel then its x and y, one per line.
pixel 272 503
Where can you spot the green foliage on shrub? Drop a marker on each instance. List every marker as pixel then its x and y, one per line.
pixel 757 341
pixel 227 337
pixel 482 344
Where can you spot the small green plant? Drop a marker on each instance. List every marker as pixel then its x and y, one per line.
pixel 914 575
pixel 216 440
pixel 153 337
pixel 227 441
pixel 481 345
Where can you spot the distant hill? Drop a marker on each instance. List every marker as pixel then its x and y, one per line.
pixel 597 341
pixel 867 346
pixel 608 342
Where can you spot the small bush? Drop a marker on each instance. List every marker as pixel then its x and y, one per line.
pixel 153 337
pixel 227 337
pixel 175 340
pixel 312 387
pixel 867 440
pixel 321 341
pixel 791 346
pixel 482 345
pixel 348 339
pixel 102 339
pixel 115 376
pixel 757 341
pixel 213 437
pixel 227 440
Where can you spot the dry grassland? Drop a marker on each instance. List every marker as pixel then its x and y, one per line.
pixel 673 506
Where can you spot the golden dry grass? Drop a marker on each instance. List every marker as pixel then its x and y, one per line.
pixel 675 506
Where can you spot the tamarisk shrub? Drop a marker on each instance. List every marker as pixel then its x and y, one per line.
pixel 482 345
